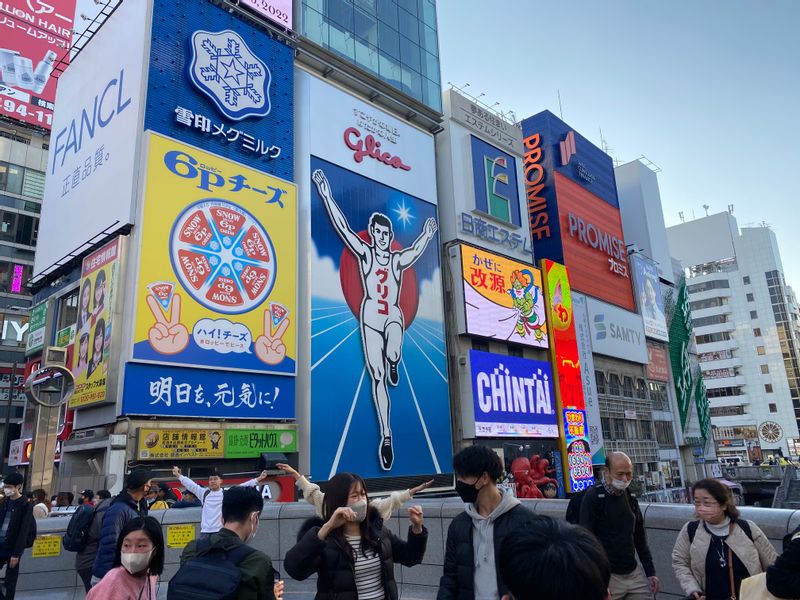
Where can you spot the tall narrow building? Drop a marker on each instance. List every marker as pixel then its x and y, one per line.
pixel 742 313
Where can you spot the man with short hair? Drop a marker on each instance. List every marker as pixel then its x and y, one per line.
pixel 569 559
pixel 612 513
pixel 86 497
pixel 16 520
pixel 211 497
pixel 123 508
pixel 241 509
pixel 491 518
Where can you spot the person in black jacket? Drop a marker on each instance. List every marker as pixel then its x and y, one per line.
pixel 125 507
pixel 84 560
pixel 476 536
pixel 16 520
pixel 349 550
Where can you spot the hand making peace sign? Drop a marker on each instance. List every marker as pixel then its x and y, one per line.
pixel 167 336
pixel 270 347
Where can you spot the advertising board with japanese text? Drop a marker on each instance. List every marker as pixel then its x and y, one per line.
pixel 222 442
pixel 36 37
pixel 219 83
pixel 36 329
pixel 648 297
pixel 167 391
pixel 512 396
pixel 503 298
pixel 568 385
pixel 379 402
pixel 95 329
pixel 225 298
pixel 658 363
pixel 94 141
pixel 583 336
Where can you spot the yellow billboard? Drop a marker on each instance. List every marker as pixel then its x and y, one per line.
pixel 503 298
pixel 217 275
pixel 157 444
pixel 99 275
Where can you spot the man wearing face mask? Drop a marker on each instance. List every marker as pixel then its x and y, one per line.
pixel 16 521
pixel 241 509
pixel 612 513
pixel 475 536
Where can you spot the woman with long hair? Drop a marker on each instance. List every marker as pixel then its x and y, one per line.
pixel 84 304
pixel 714 554
pixel 138 562
pixel 98 347
pixel 349 549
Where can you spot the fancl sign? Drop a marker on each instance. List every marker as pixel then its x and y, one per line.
pixel 617 332
pixel 512 396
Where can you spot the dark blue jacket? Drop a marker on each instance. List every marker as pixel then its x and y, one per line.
pixel 123 509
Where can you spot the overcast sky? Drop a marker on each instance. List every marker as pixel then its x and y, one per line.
pixel 707 90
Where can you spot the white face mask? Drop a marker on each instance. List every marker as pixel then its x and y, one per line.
pixel 136 562
pixel 620 485
pixel 360 508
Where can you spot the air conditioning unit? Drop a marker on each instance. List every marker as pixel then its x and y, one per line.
pixel 54 357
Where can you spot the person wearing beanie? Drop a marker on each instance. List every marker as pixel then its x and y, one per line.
pixel 124 508
pixel 16 521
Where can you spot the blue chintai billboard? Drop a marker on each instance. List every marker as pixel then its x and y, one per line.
pixel 512 396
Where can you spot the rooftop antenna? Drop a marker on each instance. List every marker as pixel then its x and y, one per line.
pixel 706 207
pixel 730 208
pixel 560 109
pixel 680 214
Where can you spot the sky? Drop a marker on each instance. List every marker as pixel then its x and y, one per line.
pixel 708 90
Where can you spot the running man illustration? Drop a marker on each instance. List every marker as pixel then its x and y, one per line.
pixel 380 319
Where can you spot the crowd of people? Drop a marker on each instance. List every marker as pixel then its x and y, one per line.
pixel 496 549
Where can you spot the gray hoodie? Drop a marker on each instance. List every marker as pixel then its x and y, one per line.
pixel 483 547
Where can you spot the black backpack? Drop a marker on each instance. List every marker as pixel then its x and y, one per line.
pixel 693 525
pixel 211 574
pixel 77 535
pixel 574 507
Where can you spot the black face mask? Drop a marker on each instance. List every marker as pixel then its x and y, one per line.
pixel 467 492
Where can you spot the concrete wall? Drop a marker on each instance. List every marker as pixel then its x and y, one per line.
pixel 55 578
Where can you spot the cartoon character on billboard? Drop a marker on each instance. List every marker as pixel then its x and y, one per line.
pixel 380 318
pixel 525 303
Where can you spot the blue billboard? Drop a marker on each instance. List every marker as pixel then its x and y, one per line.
pixel 219 83
pixel 494 174
pixel 379 396
pixel 168 391
pixel 512 396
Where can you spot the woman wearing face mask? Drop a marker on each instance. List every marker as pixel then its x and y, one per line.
pixel 349 550
pixel 138 562
pixel 713 555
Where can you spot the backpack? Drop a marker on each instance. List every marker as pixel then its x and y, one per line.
pixel 77 534
pixel 574 507
pixel 212 574
pixel 693 525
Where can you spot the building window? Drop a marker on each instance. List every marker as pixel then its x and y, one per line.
pixel 619 429
pixel 768 388
pixel 605 422
pixel 708 285
pixel 631 430
pixel 68 309
pixel 515 350
pixel 765 369
pixel 480 345
pixel 709 338
pixel 11 178
pixel 645 430
pixel 751 298
pixel 757 331
pixel 760 350
pixel 627 387
pixel 773 408
pixel 665 435
pixel 641 389
pixel 600 379
pixel 613 384
pixel 712 320
pixel 753 314
pixel 746 279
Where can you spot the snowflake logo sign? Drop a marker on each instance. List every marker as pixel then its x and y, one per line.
pixel 225 69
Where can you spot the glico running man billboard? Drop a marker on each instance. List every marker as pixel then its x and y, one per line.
pixel 379 398
pixel 573 209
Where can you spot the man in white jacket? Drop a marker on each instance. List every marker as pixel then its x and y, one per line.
pixel 211 497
